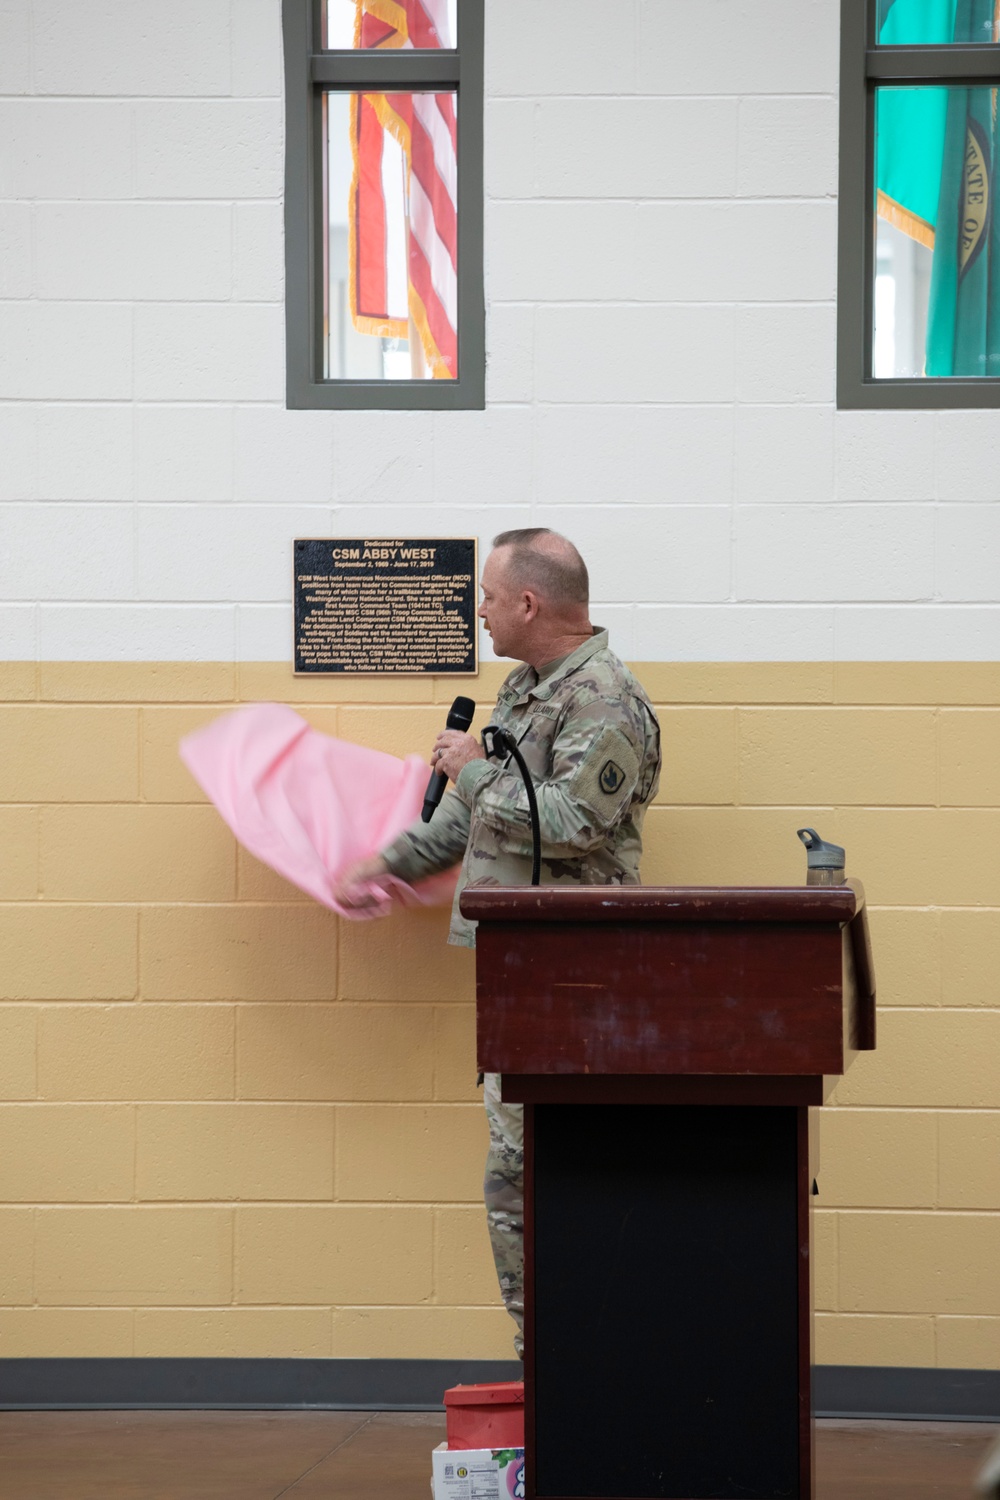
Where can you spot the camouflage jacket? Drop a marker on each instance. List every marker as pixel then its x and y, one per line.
pixel 592 744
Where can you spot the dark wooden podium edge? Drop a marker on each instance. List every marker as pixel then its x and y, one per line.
pixel 663 903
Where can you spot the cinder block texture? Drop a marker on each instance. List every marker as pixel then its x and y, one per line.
pixel 347 1052
pixel 136 1052
pixel 405 1332
pixel 154 252
pixel 967 1343
pixel 334 1255
pixel 17 1272
pixel 929 1058
pixel 919 1262
pixel 414 964
pixel 19 854
pixel 232 1332
pixel 185 52
pixel 18 1061
pixel 67 1153
pixel 66 1332
pixel 150 854
pixel 183 453
pixel 218 1151
pixel 107 1257
pixel 878 1159
pixel 208 149
pixel 969 1159
pixel 94 343
pixel 968 958
pixel 234 953
pixel 15 249
pixel 15 48
pixel 970 758
pixel 84 453
pixel 320 1084
pixel 908 943
pixel 849 1339
pixel 66 952
pixel 839 755
pixel 93 562
pixel 414 1154
pixel 205 352
pixel 786 147
pixel 767 42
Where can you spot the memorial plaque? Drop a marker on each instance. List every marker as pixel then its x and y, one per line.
pixel 386 606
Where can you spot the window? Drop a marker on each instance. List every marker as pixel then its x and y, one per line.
pixel 384 203
pixel 919 264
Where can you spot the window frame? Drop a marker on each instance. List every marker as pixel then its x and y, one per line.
pixel 864 66
pixel 309 72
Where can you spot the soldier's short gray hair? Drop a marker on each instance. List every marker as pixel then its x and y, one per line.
pixel 547 563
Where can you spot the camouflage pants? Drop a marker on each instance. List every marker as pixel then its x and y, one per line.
pixel 503 1190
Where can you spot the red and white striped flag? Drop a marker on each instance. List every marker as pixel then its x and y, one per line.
pixel 426 129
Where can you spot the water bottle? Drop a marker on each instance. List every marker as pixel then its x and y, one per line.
pixel 825 862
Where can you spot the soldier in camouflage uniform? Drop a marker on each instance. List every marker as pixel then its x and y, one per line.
pixel 592 745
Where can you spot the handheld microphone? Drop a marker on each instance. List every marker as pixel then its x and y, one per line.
pixel 459 717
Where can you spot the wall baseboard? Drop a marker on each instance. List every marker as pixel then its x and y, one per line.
pixel 417 1385
pixel 913 1394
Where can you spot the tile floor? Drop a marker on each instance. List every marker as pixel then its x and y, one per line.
pixel 174 1455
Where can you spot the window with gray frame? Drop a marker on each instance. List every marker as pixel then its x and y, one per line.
pixel 384 203
pixel 919 265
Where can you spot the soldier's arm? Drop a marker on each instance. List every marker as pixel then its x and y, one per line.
pixel 596 763
pixel 427 848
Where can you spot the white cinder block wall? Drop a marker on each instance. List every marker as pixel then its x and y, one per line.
pixel 661 239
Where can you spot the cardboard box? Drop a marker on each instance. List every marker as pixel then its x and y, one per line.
pixel 478 1473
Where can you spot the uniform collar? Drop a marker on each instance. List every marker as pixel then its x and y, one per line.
pixel 555 671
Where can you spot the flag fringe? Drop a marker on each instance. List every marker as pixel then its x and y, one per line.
pixel 435 360
pixel 392 122
pixel 905 220
pixel 391 13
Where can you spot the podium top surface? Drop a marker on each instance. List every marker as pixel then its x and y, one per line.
pixel 664 903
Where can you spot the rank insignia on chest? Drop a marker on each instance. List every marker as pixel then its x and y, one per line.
pixel 611 777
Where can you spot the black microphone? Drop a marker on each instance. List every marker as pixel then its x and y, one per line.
pixel 459 717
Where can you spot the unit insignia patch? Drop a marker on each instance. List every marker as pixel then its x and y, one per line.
pixel 611 777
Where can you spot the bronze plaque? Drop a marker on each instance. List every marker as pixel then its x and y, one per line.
pixel 386 606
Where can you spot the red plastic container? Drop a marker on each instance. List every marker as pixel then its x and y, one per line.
pixel 486 1416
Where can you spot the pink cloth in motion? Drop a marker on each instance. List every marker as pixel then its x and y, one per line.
pixel 309 805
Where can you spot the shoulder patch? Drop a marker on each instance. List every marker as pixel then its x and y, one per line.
pixel 607 773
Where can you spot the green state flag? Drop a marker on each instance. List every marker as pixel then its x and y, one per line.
pixel 935 176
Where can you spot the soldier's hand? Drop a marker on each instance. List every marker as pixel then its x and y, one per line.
pixel 453 750
pixel 353 886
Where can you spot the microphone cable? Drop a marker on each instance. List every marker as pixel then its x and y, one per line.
pixel 497 742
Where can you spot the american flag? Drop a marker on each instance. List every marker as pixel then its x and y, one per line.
pixel 426 128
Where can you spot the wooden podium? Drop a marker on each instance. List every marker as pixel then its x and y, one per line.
pixel 667 1043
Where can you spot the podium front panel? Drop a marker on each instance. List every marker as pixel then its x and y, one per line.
pixel 661 999
pixel 667 1302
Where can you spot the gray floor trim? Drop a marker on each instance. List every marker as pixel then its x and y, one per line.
pixel 240 1384
pixel 417 1385
pixel 912 1394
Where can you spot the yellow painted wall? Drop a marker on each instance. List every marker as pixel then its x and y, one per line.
pixel 234 1126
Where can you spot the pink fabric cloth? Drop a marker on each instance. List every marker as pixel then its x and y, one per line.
pixel 309 805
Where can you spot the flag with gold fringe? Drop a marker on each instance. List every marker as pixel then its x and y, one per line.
pixel 935 166
pixel 425 127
